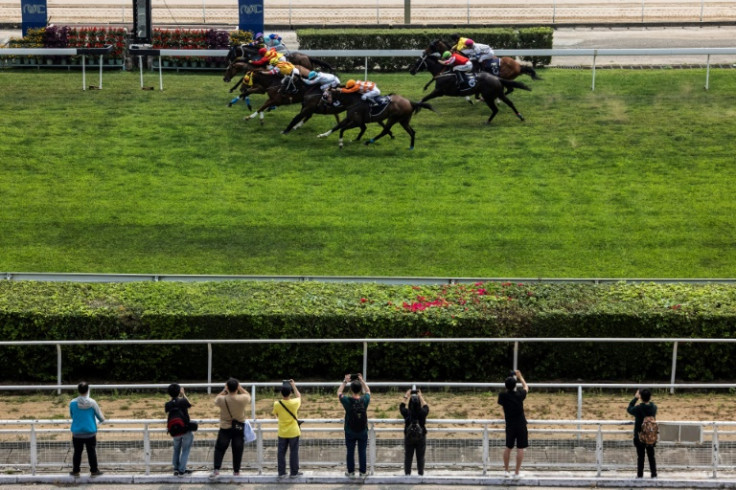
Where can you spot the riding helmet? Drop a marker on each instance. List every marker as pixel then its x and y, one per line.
pixel 262 51
pixel 446 55
pixel 350 84
pixel 312 75
pixel 469 43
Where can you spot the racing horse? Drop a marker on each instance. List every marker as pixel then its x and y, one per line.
pixel 484 84
pixel 248 52
pixel 509 68
pixel 398 110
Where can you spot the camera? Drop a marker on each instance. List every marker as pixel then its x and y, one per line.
pixel 414 395
pixel 353 376
pixel 512 374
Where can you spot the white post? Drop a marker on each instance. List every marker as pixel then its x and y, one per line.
pixel 259 448
pixel 580 408
pixel 147 449
pixel 372 442
pixel 707 72
pixel 160 75
pixel 485 449
pixel 366 69
pixel 516 355
pixel 595 54
pixel 140 66
pixel 34 449
pixel 714 450
pixel 84 73
pixel 58 368
pixel 365 361
pixel 209 368
pixel 100 87
pixel 253 402
pixel 599 450
pixel 674 368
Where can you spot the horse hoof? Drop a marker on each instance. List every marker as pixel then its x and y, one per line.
pixel 411 147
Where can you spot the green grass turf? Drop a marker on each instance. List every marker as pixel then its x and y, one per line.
pixel 632 180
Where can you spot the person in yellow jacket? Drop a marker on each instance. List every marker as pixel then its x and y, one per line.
pixel 459 43
pixel 368 89
pixel 287 411
pixel 288 71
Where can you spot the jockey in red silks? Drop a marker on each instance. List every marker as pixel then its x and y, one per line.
pixel 459 64
pixel 266 56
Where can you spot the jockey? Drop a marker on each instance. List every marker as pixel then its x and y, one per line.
pixel 267 55
pixel 289 71
pixel 482 53
pixel 368 89
pixel 257 39
pixel 274 41
pixel 459 63
pixel 325 80
pixel 459 42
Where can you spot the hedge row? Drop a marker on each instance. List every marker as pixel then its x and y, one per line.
pixel 348 39
pixel 235 310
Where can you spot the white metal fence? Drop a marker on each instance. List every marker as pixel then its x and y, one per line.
pixel 466 446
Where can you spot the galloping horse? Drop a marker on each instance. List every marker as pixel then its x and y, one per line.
pixel 486 85
pixel 311 105
pixel 509 68
pixel 398 110
pixel 248 53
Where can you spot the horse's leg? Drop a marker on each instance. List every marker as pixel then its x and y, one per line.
pixel 350 124
pixel 390 134
pixel 293 124
pixel 386 130
pixel 405 124
pixel 236 85
pixel 508 102
pixel 260 110
pixel 363 127
pixel 435 93
pixel 491 102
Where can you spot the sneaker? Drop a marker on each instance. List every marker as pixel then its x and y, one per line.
pixel 350 475
pixel 186 472
pixel 363 475
pixel 95 473
pixel 281 476
pixel 176 473
pixel 236 473
pixel 517 476
pixel 215 474
pixel 296 475
pixel 75 474
pixel 506 474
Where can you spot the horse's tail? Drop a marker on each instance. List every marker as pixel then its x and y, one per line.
pixel 418 106
pixel 530 71
pixel 322 64
pixel 514 84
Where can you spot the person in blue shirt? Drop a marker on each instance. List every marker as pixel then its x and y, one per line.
pixel 84 413
pixel 356 421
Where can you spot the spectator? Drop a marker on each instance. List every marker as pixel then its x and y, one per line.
pixel 356 421
pixel 287 411
pixel 179 406
pixel 232 401
pixel 415 430
pixel 85 413
pixel 512 401
pixel 645 409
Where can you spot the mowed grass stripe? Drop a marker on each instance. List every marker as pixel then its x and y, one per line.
pixel 632 180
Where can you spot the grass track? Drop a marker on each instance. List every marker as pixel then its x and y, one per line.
pixel 632 180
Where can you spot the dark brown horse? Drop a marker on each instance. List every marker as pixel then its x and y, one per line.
pixel 359 113
pixel 484 84
pixel 247 52
pixel 272 87
pixel 509 68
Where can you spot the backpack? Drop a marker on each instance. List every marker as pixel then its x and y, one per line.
pixel 649 431
pixel 176 425
pixel 357 418
pixel 414 432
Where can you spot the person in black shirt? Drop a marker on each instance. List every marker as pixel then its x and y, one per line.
pixel 179 405
pixel 512 401
pixel 416 412
pixel 644 409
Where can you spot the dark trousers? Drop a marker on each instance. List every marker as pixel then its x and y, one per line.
pixel 362 441
pixel 292 445
pixel 223 441
pixel 80 443
pixel 410 447
pixel 641 448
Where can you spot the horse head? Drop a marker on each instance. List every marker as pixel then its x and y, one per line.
pixel 419 65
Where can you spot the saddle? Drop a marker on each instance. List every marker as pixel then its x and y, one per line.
pixel 382 102
pixel 465 81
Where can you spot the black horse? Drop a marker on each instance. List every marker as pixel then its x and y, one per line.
pixel 398 109
pixel 483 84
pixel 249 52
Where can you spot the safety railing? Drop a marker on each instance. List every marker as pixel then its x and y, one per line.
pixel 472 447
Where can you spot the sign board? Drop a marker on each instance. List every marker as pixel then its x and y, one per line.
pixel 250 15
pixel 142 31
pixel 33 14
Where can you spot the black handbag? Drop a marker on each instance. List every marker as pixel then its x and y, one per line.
pixel 236 425
pixel 193 426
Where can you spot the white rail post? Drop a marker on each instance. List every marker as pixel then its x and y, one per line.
pixel 84 73
pixel 147 449
pixel 253 401
pixel 140 65
pixel 516 355
pixel 372 442
pixel 34 449
pixel 486 450
pixel 160 75
pixel 714 450
pixel 365 77
pixel 58 368
pixel 674 368
pixel 580 408
pixel 707 72
pixel 209 367
pixel 599 450
pixel 259 448
pixel 365 361
pixel 101 56
pixel 595 55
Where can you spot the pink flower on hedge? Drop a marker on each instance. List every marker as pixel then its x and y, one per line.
pixel 481 292
pixel 363 300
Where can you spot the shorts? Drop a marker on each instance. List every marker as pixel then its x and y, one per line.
pixel 518 435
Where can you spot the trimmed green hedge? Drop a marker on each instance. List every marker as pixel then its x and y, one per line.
pixel 349 39
pixel 235 310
